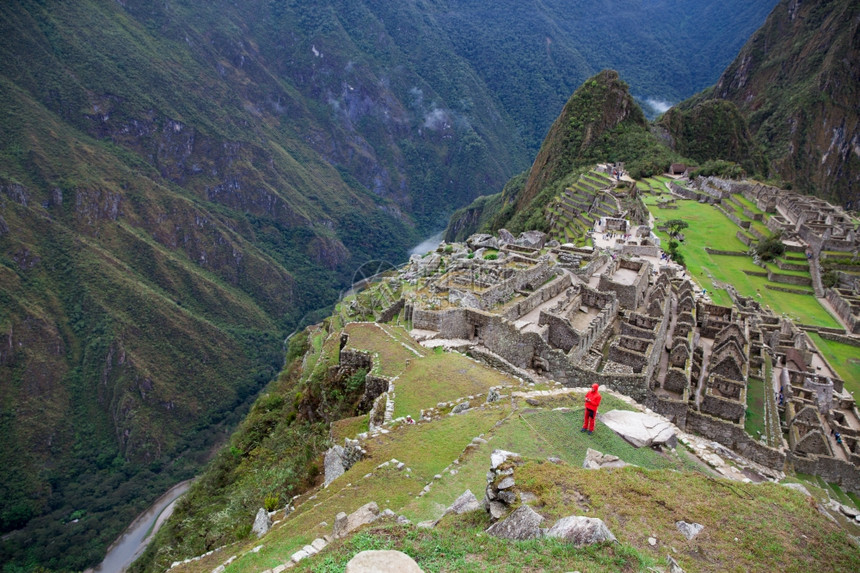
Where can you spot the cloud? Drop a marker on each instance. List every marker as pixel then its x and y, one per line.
pixel 437 119
pixel 658 105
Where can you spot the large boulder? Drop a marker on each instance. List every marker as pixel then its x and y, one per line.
pixel 344 524
pixel 524 523
pixel 262 523
pixel 382 562
pixel 532 239
pixel 505 237
pixel 482 241
pixel 333 464
pixel 640 429
pixel 580 530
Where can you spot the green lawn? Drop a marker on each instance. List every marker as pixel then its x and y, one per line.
pixel 754 421
pixel 844 358
pixel 710 228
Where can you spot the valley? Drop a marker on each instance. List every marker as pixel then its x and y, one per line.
pixel 182 185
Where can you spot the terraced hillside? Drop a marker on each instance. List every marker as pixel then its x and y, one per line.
pixel 573 213
pixel 716 249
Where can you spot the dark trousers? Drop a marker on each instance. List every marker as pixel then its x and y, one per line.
pixel 588 422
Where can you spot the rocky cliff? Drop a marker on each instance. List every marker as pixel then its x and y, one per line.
pixel 796 81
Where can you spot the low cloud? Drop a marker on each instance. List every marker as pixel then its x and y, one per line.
pixel 658 105
pixel 437 119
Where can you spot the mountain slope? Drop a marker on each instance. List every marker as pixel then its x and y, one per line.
pixel 796 81
pixel 183 183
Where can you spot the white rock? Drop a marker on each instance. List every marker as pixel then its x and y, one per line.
pixel 298 555
pixel 581 530
pixel 382 562
pixel 639 429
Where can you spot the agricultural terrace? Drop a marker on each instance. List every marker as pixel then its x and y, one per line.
pixel 844 358
pixel 710 228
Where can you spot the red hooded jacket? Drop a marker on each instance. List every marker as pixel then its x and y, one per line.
pixel 592 398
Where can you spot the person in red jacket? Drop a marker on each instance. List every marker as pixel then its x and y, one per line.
pixel 592 401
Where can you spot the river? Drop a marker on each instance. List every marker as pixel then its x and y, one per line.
pixel 131 544
pixel 428 244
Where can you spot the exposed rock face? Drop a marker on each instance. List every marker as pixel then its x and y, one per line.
pixel 262 523
pixel 580 530
pixel 382 562
pixel 524 523
pixel 811 124
pixel 640 429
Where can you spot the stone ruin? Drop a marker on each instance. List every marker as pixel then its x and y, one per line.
pixel 582 316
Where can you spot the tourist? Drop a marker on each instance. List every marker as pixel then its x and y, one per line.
pixel 592 402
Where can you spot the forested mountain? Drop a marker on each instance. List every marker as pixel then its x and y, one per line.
pixel 796 83
pixel 182 182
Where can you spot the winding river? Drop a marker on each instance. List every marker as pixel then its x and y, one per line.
pixel 134 540
pixel 131 544
pixel 428 244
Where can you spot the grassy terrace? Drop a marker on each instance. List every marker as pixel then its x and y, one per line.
pixel 844 358
pixel 710 228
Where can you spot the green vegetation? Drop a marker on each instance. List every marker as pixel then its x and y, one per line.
pixel 710 228
pixel 845 358
pixel 775 82
pixel 714 134
pixel 770 248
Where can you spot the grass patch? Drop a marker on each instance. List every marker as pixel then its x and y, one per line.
pixel 443 377
pixel 348 428
pixel 844 358
pixel 747 527
pixel 754 421
pixel 389 348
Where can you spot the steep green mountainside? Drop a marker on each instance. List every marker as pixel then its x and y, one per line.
pixel 533 55
pixel 601 122
pixel 713 130
pixel 796 81
pixel 182 183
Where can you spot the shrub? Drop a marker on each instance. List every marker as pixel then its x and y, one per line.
pixel 770 248
pixel 491 257
pixel 272 501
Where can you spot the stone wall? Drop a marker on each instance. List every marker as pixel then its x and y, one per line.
pixel 543 294
pixel 560 333
pixel 735 438
pixel 633 352
pixel 722 407
pixel 844 310
pixel 788 279
pixel 392 311
pixel 355 359
pixel 641 250
pixel 629 296
pixel 831 469
pixel 674 410
pixel 505 290
pixel 711 251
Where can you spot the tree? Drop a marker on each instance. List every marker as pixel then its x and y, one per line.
pixel 675 226
pixel 770 248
